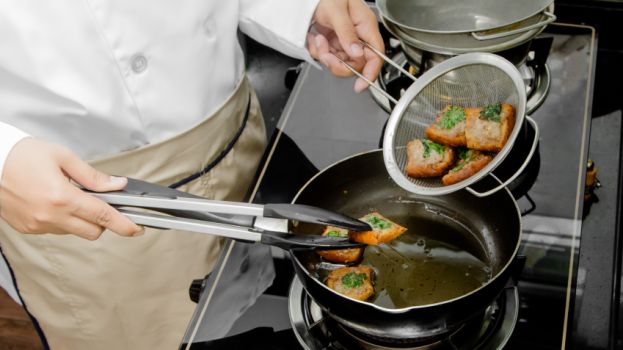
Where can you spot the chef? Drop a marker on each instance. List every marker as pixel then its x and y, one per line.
pixel 151 90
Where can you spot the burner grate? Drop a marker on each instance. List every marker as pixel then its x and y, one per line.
pixel 315 330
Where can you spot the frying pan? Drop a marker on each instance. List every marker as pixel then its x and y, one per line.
pixel 360 184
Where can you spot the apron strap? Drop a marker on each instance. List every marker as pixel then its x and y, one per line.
pixel 220 156
pixel 35 323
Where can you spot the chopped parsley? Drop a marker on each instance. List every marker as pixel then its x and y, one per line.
pixel 459 166
pixel 451 117
pixel 465 156
pixel 428 145
pixel 464 153
pixel 492 112
pixel 334 233
pixel 353 279
pixel 378 223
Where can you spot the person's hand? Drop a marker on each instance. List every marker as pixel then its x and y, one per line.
pixel 339 25
pixel 36 195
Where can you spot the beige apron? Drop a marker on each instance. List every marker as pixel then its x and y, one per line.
pixel 132 293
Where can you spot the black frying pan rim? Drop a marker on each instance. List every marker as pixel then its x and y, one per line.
pixel 416 307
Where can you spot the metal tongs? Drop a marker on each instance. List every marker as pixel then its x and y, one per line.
pixel 266 224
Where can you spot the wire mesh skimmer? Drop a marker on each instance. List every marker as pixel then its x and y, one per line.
pixel 468 80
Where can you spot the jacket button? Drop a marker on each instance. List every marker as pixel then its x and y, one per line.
pixel 208 28
pixel 138 63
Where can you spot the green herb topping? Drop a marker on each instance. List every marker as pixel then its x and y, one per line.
pixel 378 223
pixel 465 156
pixel 353 279
pixel 451 117
pixel 464 153
pixel 428 145
pixel 492 112
pixel 458 167
pixel 335 234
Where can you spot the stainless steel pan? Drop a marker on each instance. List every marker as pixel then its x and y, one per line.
pixel 458 43
pixel 360 184
pixel 451 16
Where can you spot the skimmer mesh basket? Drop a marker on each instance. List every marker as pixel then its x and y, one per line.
pixel 469 80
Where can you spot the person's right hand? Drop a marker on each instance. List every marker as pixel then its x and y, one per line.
pixel 36 195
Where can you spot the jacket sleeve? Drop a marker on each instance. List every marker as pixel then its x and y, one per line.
pixel 280 24
pixel 9 137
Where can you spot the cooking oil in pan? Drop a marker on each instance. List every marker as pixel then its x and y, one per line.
pixel 435 260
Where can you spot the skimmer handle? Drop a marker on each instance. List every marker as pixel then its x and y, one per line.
pixel 518 172
pixel 386 59
pixel 370 83
pixel 389 60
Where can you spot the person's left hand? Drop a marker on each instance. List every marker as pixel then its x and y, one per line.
pixel 338 27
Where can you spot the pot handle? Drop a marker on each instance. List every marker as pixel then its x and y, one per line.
pixel 550 18
pixel 518 172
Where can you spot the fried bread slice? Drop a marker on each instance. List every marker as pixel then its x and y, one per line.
pixel 488 128
pixel 470 162
pixel 354 282
pixel 340 256
pixel 426 158
pixel 383 230
pixel 449 127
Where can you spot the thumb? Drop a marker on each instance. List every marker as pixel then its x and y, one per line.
pixel 87 176
pixel 346 34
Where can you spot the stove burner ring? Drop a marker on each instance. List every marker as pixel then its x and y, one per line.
pixel 315 330
pixel 370 342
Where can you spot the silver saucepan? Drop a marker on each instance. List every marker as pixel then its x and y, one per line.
pixel 488 227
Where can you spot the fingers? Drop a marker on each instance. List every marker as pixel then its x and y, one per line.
pixel 37 198
pixel 371 70
pixel 95 211
pixel 367 29
pixel 345 29
pixel 82 228
pixel 84 174
pixel 344 23
pixel 338 68
pixel 321 49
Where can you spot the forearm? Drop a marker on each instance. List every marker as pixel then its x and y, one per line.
pixel 280 24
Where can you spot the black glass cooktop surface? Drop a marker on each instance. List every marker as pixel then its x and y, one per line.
pixel 324 121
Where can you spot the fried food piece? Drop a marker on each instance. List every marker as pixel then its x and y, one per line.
pixel 354 282
pixel 488 128
pixel 340 256
pixel 470 162
pixel 449 127
pixel 428 159
pixel 383 230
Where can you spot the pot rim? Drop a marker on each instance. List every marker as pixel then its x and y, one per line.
pixel 382 8
pixel 416 307
pixel 408 40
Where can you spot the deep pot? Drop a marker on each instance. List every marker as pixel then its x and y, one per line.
pixel 360 183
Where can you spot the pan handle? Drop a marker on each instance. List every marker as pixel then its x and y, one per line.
pixel 550 18
pixel 519 171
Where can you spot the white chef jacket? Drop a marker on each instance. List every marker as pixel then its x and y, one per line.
pixel 104 76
